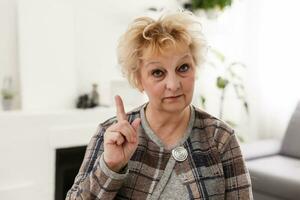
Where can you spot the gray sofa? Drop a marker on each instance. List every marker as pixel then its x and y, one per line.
pixel 275 165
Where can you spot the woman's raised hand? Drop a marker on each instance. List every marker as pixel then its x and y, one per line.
pixel 120 139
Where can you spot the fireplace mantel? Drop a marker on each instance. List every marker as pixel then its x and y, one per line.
pixel 30 141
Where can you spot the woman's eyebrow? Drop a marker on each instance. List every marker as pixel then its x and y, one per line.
pixel 185 56
pixel 152 62
pixel 188 55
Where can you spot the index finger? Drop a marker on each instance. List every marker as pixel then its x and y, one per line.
pixel 121 115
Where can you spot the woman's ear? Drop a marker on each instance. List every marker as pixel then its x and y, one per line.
pixel 139 85
pixel 141 89
pixel 138 81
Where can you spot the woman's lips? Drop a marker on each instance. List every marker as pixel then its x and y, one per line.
pixel 173 98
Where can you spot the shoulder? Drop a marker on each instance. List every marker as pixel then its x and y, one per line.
pixel 210 129
pixel 204 120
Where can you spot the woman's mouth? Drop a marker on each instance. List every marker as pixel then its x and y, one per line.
pixel 173 98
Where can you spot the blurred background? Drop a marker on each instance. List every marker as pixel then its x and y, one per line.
pixel 59 73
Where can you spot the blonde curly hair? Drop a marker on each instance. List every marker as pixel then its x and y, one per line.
pixel 170 30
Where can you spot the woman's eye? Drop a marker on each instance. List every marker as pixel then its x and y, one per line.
pixel 157 73
pixel 184 68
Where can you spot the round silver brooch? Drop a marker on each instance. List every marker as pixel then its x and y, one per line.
pixel 179 154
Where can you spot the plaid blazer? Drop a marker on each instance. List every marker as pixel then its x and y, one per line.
pixel 214 169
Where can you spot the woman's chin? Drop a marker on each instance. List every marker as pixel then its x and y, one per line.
pixel 175 107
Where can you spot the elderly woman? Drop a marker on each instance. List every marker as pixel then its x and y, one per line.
pixel 166 148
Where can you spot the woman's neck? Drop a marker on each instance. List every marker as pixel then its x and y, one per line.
pixel 168 126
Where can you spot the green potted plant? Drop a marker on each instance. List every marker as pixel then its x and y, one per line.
pixel 229 77
pixel 210 4
pixel 212 8
pixel 7 94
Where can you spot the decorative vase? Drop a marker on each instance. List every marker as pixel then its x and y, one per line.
pixel 213 13
pixel 7 104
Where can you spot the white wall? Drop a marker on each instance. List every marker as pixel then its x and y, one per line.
pixel 8 45
pixel 234 34
pixel 265 36
pixel 66 46
pixel 86 33
pixel 57 49
pixel 278 63
pixel 47 54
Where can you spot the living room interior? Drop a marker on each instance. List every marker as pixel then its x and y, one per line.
pixel 57 56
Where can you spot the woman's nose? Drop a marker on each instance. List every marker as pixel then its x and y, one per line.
pixel 173 83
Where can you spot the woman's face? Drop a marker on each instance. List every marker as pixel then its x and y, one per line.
pixel 168 79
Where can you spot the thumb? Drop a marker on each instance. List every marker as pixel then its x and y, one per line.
pixel 136 123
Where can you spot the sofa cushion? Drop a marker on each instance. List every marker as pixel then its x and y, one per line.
pixel 261 148
pixel 290 145
pixel 262 196
pixel 276 175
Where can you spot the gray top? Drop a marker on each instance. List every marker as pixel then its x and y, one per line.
pixel 214 169
pixel 169 186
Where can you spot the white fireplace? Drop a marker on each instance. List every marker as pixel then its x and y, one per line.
pixel 28 145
